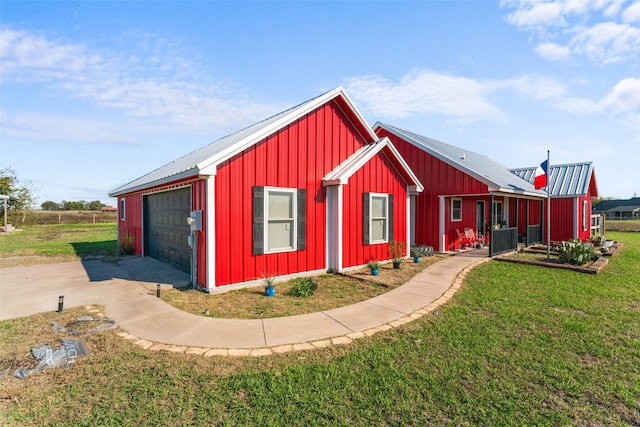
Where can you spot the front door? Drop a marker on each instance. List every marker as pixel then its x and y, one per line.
pixel 480 219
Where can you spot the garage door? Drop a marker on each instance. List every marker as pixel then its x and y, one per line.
pixel 167 231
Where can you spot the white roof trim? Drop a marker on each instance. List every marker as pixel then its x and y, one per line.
pixel 341 174
pixel 208 166
pixel 205 160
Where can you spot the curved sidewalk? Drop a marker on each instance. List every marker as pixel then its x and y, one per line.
pixel 127 290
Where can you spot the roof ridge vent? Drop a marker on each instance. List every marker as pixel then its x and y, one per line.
pixel 464 156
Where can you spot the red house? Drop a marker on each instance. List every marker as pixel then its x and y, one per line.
pixel 572 188
pixel 308 190
pixel 464 189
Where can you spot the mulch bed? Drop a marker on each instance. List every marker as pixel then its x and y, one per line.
pixel 592 268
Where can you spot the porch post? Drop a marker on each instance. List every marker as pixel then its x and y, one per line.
pixel 526 216
pixel 491 224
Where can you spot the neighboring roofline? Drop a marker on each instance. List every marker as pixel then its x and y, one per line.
pixel 341 174
pixel 492 186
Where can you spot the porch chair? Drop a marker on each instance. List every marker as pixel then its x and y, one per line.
pixel 470 238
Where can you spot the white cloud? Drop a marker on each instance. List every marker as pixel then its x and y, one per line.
pixel 553 52
pixel 156 81
pixel 632 13
pixel 464 100
pixel 608 42
pixel 42 127
pixel 425 92
pixel 536 16
pixel 625 97
pixel 589 28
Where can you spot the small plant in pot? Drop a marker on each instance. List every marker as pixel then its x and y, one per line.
pixel 398 251
pixel 416 253
pixel 374 266
pixel 269 285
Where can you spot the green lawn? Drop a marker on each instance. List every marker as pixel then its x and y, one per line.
pixel 77 240
pixel 517 345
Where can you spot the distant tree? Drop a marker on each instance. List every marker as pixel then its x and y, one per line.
pixel 73 206
pixel 50 206
pixel 95 205
pixel 21 195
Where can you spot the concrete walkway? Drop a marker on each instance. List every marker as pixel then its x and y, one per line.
pixel 127 291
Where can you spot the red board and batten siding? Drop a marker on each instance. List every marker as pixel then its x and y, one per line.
pixel 132 226
pixel 438 178
pixel 297 156
pixel 376 176
pixel 563 212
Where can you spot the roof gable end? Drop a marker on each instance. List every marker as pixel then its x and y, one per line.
pixel 204 161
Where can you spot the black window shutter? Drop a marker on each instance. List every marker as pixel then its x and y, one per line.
pixel 302 219
pixel 390 215
pixel 366 233
pixel 258 220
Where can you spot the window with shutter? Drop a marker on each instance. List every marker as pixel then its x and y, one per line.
pixel 279 219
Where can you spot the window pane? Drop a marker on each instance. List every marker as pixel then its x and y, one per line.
pixel 280 235
pixel 378 229
pixel 456 210
pixel 280 205
pixel 378 207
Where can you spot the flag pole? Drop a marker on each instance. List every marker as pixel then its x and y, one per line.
pixel 547 172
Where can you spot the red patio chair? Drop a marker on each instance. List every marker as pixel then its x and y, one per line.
pixel 470 238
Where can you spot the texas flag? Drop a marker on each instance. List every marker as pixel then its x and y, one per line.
pixel 540 178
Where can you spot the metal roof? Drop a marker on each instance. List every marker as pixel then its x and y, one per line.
pixel 204 161
pixel 617 205
pixel 569 180
pixel 496 176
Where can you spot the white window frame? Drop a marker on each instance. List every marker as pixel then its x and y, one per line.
pixel 453 218
pixel 385 218
pixel 123 210
pixel 494 212
pixel 293 219
pixel 586 217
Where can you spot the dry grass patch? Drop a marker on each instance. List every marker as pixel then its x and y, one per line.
pixel 334 290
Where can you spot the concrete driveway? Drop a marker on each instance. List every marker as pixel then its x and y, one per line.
pixel 127 290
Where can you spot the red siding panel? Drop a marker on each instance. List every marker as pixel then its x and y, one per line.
pixel 377 176
pixel 297 156
pixel 562 214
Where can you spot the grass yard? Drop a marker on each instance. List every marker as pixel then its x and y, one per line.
pixel 622 225
pixel 38 244
pixel 517 345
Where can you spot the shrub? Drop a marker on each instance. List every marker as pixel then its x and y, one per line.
pixel 302 287
pixel 421 251
pixel 373 264
pixel 397 250
pixel 575 252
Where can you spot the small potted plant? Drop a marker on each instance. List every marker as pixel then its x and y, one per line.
pixel 398 251
pixel 416 253
pixel 269 285
pixel 597 239
pixel 374 266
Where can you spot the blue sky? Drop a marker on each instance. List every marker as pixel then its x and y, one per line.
pixel 95 94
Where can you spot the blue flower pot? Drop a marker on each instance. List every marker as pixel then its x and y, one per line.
pixel 416 259
pixel 270 291
pixel 374 271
